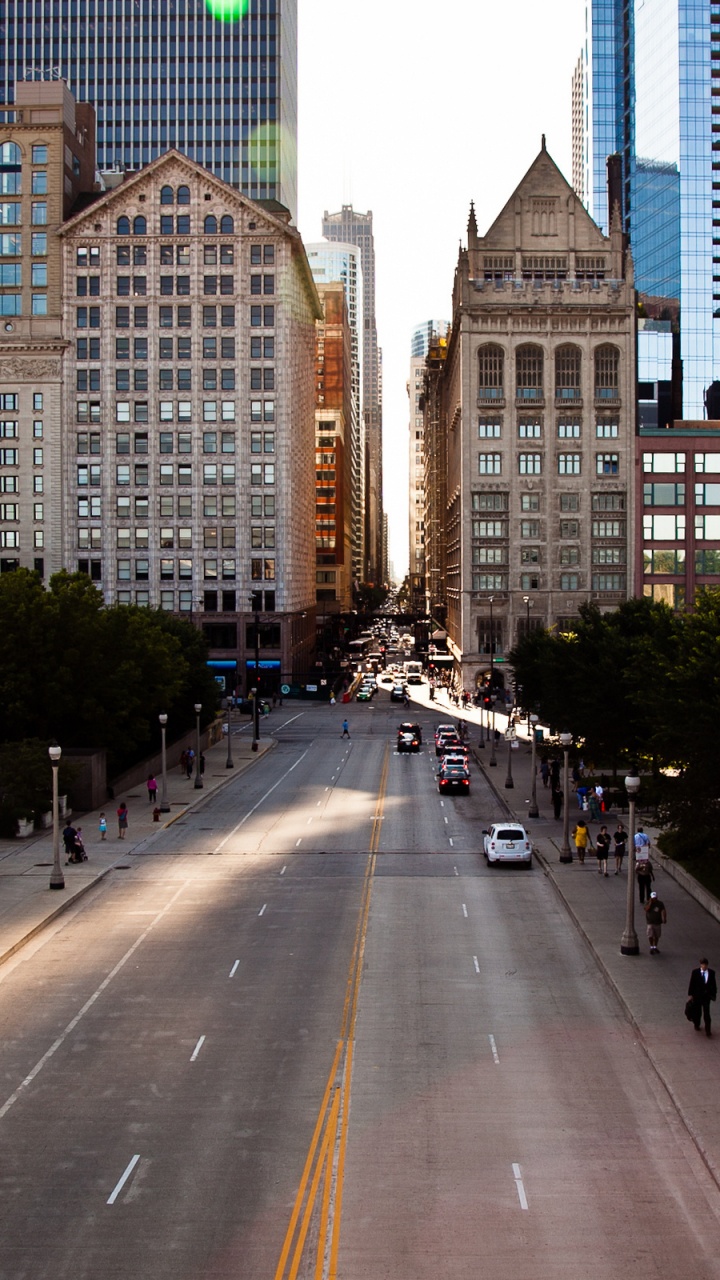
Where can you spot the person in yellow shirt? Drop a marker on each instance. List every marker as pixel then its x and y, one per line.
pixel 581 836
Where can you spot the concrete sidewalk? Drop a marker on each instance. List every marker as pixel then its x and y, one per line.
pixel 27 904
pixel 651 989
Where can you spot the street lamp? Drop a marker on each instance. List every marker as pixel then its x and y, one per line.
pixel 198 778
pixel 509 779
pixel 229 763
pixel 629 941
pixel 565 850
pixel 256 691
pixel 164 803
pixel 533 810
pixel 526 602
pixel 492 761
pixel 57 879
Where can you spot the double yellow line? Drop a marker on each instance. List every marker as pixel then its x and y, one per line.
pixel 325 1162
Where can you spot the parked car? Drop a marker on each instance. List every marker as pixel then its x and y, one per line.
pixel 507 842
pixel 408 727
pixel 454 777
pixel 407 740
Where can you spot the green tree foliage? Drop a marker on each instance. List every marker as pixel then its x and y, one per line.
pixel 74 671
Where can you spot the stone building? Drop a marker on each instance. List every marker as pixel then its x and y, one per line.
pixel 333 425
pixel 47 159
pixel 538 409
pixel 189 438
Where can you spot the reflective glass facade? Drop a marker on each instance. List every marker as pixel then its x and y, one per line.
pixel 166 73
pixel 649 96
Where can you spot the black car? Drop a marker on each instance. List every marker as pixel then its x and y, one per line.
pixel 454 777
pixel 407 741
pixel 407 727
pixel 397 693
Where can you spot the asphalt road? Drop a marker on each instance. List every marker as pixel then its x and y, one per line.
pixel 308 1033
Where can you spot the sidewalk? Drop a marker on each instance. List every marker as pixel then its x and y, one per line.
pixel 27 904
pixel 651 989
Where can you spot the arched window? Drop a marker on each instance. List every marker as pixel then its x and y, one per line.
pixel 122 226
pixel 210 226
pixel 10 153
pixel 227 225
pixel 167 195
pixel 607 373
pixel 567 373
pixel 183 195
pixel 490 372
pixel 140 226
pixel 529 373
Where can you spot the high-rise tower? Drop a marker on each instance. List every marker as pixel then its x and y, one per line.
pixel 351 227
pixel 166 73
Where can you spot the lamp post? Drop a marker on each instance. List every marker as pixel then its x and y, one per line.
pixel 481 742
pixel 256 691
pixel 491 727
pixel 509 779
pixel 565 850
pixel 229 763
pixel 164 803
pixel 198 777
pixel 57 879
pixel 526 602
pixel 629 941
pixel 533 810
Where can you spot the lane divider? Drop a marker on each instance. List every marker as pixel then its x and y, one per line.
pixel 325 1162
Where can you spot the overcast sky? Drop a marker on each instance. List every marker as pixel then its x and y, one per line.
pixel 411 110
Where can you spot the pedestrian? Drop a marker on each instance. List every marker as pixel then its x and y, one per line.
pixel 593 805
pixel 642 845
pixel 151 788
pixel 576 777
pixel 79 852
pixel 581 836
pixel 545 771
pixel 102 826
pixel 557 801
pixel 702 989
pixel 582 793
pixel 122 817
pixel 555 774
pixel 645 876
pixel 620 836
pixel 189 761
pixel 602 849
pixel 656 917
pixel 345 730
pixel 600 795
pixel 68 836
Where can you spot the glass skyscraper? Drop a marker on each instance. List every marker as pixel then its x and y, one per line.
pixel 650 97
pixel 166 73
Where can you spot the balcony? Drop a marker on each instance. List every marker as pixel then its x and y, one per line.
pixel 494 396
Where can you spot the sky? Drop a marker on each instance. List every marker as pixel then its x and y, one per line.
pixel 412 110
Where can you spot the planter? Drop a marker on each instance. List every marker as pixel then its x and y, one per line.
pixel 45 820
pixel 24 828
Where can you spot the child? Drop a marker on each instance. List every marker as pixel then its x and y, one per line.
pixel 102 826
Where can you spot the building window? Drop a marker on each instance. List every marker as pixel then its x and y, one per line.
pixel 568 464
pixel 490 372
pixel 607 464
pixel 608 582
pixel 529 373
pixel 489 464
pixel 607 368
pixel 569 581
pixel 568 429
pixel 606 429
pixel 529 429
pixel 616 528
pixel 569 502
pixel 489 582
pixel 569 529
pixel 567 373
pixel 530 529
pixel 530 464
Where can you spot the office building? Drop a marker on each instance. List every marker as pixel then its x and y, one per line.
pixel 165 75
pixel 47 158
pixel 424 336
pixel 333 470
pixel 189 411
pixel 537 404
pixel 330 262
pixel 351 227
pixel 651 98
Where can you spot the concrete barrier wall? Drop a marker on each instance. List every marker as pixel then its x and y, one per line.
pixel 688 883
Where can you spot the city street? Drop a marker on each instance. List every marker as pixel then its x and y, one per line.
pixel 306 1032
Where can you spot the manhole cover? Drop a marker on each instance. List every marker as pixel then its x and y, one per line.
pixel 43 864
pixel 122 866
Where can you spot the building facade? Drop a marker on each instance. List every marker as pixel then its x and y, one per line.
pixel 424 337
pixel 330 262
pixel 351 227
pixel 189 411
pixel 538 407
pixel 333 460
pixel 168 75
pixel 47 158
pixel 651 96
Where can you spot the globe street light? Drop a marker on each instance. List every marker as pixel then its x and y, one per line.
pixel 198 778
pixel 57 879
pixel 565 850
pixel 629 942
pixel 533 810
pixel 164 803
pixel 492 761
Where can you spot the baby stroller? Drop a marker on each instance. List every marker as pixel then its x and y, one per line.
pixel 77 853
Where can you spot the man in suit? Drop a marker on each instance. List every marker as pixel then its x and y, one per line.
pixel 702 989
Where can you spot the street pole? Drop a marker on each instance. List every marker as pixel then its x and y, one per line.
pixel 256 691
pixel 565 851
pixel 57 879
pixel 164 802
pixel 526 600
pixel 509 779
pixel 198 778
pixel 481 743
pixel 229 763
pixel 533 810
pixel 629 942
pixel 492 761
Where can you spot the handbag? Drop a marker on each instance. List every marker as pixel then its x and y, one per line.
pixel 689 1010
